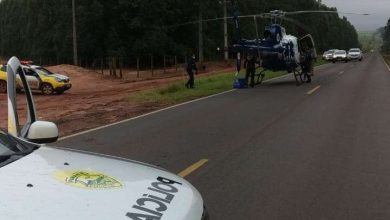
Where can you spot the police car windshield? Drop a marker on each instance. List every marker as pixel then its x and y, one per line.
pixel 43 71
pixel 12 149
pixel 11 145
pixel 5 145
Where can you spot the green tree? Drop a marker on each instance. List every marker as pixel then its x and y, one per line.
pixel 38 29
pixel 386 38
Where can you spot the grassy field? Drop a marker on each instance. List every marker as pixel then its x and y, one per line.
pixel 369 40
pixel 204 86
pixel 366 39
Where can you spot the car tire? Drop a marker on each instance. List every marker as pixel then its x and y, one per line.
pixel 47 89
pixel 3 86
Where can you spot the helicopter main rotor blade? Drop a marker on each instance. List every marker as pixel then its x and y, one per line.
pixel 314 11
pixel 217 19
pixel 278 14
pixel 298 24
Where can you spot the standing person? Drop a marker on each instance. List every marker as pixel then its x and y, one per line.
pixel 191 66
pixel 308 63
pixel 250 65
pixel 238 62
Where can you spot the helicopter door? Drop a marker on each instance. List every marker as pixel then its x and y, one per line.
pixel 307 42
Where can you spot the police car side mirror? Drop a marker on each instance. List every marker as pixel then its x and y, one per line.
pixel 42 132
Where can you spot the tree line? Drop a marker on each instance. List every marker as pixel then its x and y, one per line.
pixel 43 29
pixel 386 38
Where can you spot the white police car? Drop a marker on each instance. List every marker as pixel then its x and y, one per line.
pixel 40 182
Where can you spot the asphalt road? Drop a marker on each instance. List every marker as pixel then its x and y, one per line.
pixel 278 151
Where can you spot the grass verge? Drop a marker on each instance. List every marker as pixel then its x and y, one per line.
pixel 387 58
pixel 175 92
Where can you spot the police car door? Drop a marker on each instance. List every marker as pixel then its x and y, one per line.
pixel 32 78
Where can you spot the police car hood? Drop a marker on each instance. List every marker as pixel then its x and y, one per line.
pixel 63 77
pixel 61 184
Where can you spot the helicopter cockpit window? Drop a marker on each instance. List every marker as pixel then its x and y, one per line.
pixel 283 31
pixel 273 32
pixel 267 35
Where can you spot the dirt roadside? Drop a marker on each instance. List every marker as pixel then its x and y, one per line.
pixel 94 100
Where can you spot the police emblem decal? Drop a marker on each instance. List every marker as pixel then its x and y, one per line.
pixel 87 179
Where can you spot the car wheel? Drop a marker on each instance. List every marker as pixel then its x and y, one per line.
pixel 47 89
pixel 3 86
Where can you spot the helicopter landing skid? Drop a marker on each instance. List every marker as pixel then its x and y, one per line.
pixel 299 76
pixel 260 77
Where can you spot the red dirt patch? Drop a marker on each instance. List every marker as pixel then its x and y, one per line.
pixel 94 100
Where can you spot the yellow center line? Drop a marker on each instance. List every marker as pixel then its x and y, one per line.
pixel 192 168
pixel 313 90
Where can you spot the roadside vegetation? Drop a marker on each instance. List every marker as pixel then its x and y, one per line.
pixel 177 93
pixel 44 28
pixel 386 42
pixel 386 38
pixel 387 58
pixel 368 40
pixel 204 86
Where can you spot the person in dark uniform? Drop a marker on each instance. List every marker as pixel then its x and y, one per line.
pixel 250 65
pixel 191 67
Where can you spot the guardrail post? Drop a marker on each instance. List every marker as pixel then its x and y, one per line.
pixel 152 64
pixel 137 67
pixel 175 63
pixel 120 67
pixel 165 64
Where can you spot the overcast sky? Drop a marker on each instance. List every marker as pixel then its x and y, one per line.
pixel 379 10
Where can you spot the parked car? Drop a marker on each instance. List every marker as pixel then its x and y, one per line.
pixel 38 78
pixel 41 182
pixel 355 54
pixel 340 55
pixel 328 55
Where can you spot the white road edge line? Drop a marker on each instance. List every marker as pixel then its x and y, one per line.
pixel 387 65
pixel 157 111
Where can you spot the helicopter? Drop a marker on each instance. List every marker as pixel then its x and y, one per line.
pixel 277 50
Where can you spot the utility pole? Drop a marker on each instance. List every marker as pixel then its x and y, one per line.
pixel 75 59
pixel 200 37
pixel 225 30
